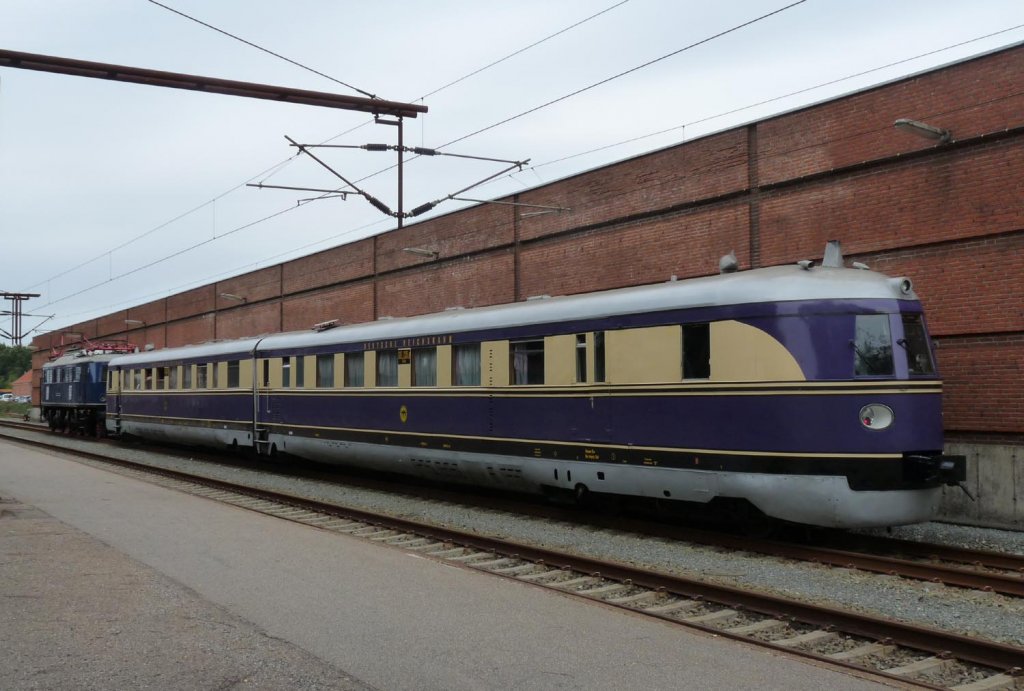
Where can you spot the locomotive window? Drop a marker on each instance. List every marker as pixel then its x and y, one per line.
pixel 300 372
pixel 324 371
pixel 78 374
pixel 186 377
pixel 202 375
pixel 233 374
pixel 527 362
pixel 696 351
pixel 466 364
pixel 387 368
pixel 353 369
pixel 599 357
pixel 915 342
pixel 581 358
pixel 286 372
pixel 424 367
pixel 872 345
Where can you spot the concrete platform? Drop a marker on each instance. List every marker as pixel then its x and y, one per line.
pixel 109 582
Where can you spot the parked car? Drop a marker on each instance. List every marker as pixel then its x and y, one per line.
pixel 6 397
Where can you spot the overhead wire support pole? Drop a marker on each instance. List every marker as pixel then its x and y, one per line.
pixel 229 87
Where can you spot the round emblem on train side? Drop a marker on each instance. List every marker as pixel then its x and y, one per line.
pixel 403 413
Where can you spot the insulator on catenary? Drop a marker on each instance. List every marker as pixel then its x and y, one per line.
pixel 378 204
pixel 424 152
pixel 375 147
pixel 422 209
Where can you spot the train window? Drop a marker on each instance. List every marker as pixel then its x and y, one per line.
pixel 466 364
pixel 137 379
pixel 581 358
pixel 160 377
pixel 266 373
pixel 324 371
pixel 186 377
pixel 872 345
pixel 527 362
pixel 214 375
pixel 78 374
pixel 696 351
pixel 599 357
pixel 286 372
pixel 354 369
pixel 387 368
pixel 424 367
pixel 172 377
pixel 915 342
pixel 148 384
pixel 110 380
pixel 202 376
pixel 300 372
pixel 233 374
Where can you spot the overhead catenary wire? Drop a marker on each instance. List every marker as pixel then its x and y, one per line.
pixel 268 173
pixel 710 117
pixel 261 48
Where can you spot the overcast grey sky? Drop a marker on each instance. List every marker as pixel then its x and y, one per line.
pixel 87 166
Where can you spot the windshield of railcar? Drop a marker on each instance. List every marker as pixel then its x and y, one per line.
pixel 872 346
pixel 915 343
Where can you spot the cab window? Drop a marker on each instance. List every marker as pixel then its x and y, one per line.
pixel 872 346
pixel 915 343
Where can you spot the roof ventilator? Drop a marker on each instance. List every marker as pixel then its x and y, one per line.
pixel 728 263
pixel 833 255
pixel 324 326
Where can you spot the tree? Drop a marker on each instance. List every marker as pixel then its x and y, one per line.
pixel 14 362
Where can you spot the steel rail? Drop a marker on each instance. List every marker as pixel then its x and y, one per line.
pixel 1007 658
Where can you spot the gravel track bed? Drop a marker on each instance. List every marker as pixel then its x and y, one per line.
pixel 963 611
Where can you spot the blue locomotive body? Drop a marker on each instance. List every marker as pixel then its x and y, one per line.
pixel 73 393
pixel 811 394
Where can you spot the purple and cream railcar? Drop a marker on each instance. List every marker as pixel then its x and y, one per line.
pixel 810 393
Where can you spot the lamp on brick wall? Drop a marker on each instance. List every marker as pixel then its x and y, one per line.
pixel 422 252
pixel 133 322
pixel 923 130
pixel 232 296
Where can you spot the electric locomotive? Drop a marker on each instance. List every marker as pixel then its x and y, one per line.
pixel 74 388
pixel 808 392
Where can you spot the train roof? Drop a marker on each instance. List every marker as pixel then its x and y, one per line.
pixel 76 357
pixel 773 284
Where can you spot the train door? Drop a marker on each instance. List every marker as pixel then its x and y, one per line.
pixel 114 383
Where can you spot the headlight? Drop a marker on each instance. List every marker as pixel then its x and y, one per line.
pixel 876 416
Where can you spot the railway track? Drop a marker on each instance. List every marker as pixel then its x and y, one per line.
pixel 903 653
pixel 952 566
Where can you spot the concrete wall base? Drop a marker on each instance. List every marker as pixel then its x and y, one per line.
pixel 995 477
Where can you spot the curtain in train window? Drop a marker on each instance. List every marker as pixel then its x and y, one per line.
pixel 354 369
pixel 581 358
pixel 324 371
pixel 387 368
pixel 233 374
pixel 466 368
pixel 424 367
pixel 528 362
